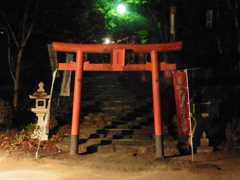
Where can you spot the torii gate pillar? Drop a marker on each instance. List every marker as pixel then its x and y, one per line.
pixel 157 105
pixel 117 64
pixel 76 113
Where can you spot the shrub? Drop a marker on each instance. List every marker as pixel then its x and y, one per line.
pixel 232 141
pixel 30 128
pixel 6 113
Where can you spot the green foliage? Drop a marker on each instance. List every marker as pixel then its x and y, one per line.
pixel 151 16
pixel 143 35
pixel 30 128
pixel 137 1
pixel 129 22
pixel 18 138
pixel 6 113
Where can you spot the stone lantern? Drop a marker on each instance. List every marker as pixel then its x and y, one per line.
pixel 40 110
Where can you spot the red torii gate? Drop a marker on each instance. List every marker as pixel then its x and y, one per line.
pixel 117 64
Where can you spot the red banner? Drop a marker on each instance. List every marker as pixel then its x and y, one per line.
pixel 182 102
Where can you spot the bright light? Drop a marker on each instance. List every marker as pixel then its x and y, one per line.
pixel 107 41
pixel 121 8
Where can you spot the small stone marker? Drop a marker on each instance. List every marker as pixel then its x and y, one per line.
pixel 204 145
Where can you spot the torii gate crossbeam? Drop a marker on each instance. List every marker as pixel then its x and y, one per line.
pixel 117 64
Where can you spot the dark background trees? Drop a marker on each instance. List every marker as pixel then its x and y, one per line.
pixel 26 29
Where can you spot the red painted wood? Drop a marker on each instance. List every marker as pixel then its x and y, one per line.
pixel 108 67
pixel 77 94
pixel 118 58
pixel 156 94
pixel 107 48
pixel 117 64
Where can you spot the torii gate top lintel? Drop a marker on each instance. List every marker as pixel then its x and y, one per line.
pixel 117 55
pixel 107 48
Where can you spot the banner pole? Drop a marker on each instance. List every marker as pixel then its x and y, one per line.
pixel 191 133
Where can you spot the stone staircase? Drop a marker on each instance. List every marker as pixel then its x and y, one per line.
pixel 116 118
pixel 117 114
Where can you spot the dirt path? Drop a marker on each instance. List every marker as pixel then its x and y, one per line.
pixel 219 165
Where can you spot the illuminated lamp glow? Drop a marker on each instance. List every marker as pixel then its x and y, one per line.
pixel 121 8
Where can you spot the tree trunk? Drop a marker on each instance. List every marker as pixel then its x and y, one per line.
pixel 16 80
pixel 238 34
pixel 234 7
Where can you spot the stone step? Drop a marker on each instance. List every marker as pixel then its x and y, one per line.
pixel 112 98
pixel 116 133
pixel 123 115
pixel 118 96
pixel 130 141
pixel 131 103
pixel 109 109
pixel 86 147
pixel 119 136
pixel 107 97
pixel 125 148
pixel 136 136
pixel 115 117
pixel 93 125
pixel 140 132
pixel 88 120
pixel 124 131
pixel 126 126
pixel 106 114
pixel 110 124
pixel 103 108
pixel 86 133
pixel 104 86
pixel 132 123
pixel 107 148
pixel 96 89
pixel 113 92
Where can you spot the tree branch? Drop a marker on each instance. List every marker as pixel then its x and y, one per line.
pixel 9 27
pixel 11 66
